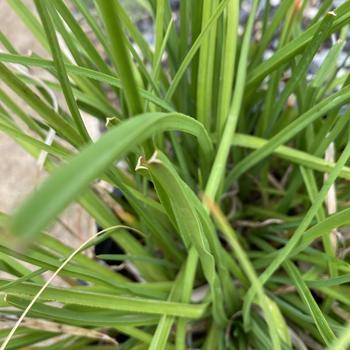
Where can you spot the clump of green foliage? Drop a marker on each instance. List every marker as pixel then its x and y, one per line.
pixel 234 200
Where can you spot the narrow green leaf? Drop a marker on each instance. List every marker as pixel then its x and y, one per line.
pixel 291 154
pixel 322 324
pixel 120 55
pixel 70 181
pixel 45 12
pixel 108 301
pixel 290 131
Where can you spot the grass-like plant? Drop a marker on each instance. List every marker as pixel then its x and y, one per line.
pixel 233 202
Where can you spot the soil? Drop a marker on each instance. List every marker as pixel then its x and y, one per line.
pixel 19 172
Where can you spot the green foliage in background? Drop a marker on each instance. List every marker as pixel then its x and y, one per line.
pixel 233 214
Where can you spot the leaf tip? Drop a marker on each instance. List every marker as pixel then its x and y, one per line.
pixel 154 158
pixel 140 165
